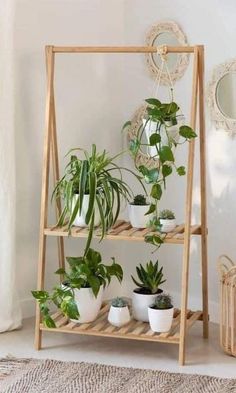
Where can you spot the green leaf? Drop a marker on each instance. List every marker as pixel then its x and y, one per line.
pixel 49 322
pixel 166 170
pixel 181 170
pixel 154 239
pixel 69 308
pixel 134 146
pixel 127 124
pixel 40 295
pixel 82 182
pixel 60 271
pixel 94 284
pixel 154 139
pixel 166 154
pixel 151 209
pixel 153 101
pixel 156 191
pixel 187 132
pixel 92 195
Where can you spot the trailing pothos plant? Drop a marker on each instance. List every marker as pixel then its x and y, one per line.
pixel 164 115
pixel 97 175
pixel 84 272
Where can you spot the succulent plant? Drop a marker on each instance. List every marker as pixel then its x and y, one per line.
pixel 167 215
pixel 150 277
pixel 119 302
pixel 162 302
pixel 139 200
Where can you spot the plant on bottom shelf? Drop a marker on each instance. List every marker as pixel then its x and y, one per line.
pixel 161 313
pixel 137 211
pixel 164 133
pixel 80 295
pixel 119 314
pixel 150 278
pixel 92 189
pixel 167 221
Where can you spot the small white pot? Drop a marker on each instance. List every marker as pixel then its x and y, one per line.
pixel 119 316
pixel 160 320
pixel 140 304
pixel 167 225
pixel 80 218
pixel 137 215
pixel 88 305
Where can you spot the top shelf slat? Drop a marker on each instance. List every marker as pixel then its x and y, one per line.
pixel 120 49
pixel 123 230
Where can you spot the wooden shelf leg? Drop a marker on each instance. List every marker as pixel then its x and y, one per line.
pixel 203 194
pixel 45 184
pixel 188 214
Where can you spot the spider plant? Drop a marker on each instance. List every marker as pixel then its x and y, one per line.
pixel 97 175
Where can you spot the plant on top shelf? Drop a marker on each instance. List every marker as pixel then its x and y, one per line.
pixel 167 221
pixel 150 278
pixel 159 120
pixel 80 295
pixel 137 211
pixel 92 189
pixel 161 313
pixel 119 314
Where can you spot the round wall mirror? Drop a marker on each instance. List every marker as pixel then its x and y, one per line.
pixel 170 34
pixel 221 96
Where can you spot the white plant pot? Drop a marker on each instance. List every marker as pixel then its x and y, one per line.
pixel 150 128
pixel 119 316
pixel 80 218
pixel 137 215
pixel 88 305
pixel 167 225
pixel 160 320
pixel 140 304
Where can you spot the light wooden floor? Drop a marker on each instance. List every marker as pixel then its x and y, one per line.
pixel 203 357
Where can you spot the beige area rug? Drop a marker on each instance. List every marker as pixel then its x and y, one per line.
pixel 39 376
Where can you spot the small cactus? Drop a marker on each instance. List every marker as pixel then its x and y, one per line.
pixel 139 200
pixel 167 215
pixel 162 302
pixel 119 302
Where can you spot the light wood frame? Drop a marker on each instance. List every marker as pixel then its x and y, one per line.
pixel 186 230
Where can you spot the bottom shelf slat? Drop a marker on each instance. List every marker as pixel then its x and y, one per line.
pixel 134 330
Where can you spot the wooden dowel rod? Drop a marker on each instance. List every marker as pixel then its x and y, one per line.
pixel 120 49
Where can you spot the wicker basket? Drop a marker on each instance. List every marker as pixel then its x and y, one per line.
pixel 227 270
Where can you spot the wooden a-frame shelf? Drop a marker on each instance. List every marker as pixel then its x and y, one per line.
pixel 182 234
pixel 123 230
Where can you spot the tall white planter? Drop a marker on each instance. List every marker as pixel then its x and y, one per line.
pixel 160 320
pixel 167 225
pixel 119 316
pixel 88 305
pixel 140 304
pixel 80 218
pixel 137 215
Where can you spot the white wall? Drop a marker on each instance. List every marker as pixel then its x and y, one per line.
pixel 95 95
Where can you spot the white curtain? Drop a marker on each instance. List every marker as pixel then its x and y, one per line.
pixel 10 315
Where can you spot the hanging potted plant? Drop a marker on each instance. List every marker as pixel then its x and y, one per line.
pixel 92 189
pixel 151 277
pixel 160 313
pixel 119 314
pixel 137 211
pixel 167 221
pixel 80 295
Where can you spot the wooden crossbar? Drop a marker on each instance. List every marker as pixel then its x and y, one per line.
pixel 120 49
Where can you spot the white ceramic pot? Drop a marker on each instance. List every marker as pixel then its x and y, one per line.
pixel 160 320
pixel 88 305
pixel 140 304
pixel 119 316
pixel 80 218
pixel 137 215
pixel 167 225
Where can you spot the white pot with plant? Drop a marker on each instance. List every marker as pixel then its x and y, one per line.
pixel 167 221
pixel 137 212
pixel 151 277
pixel 160 313
pixel 119 314
pixel 80 296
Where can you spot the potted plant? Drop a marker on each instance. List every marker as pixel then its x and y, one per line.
pixel 151 277
pixel 160 313
pixel 119 314
pixel 92 188
pixel 80 295
pixel 167 220
pixel 137 211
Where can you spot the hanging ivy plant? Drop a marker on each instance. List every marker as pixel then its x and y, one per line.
pixel 164 116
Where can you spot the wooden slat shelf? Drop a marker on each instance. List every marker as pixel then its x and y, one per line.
pixel 135 330
pixel 123 230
